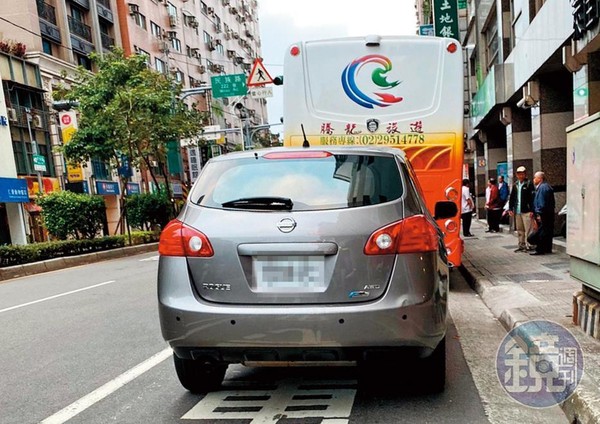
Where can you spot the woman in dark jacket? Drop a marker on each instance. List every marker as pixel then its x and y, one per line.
pixel 493 206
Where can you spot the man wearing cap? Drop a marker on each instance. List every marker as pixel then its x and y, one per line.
pixel 520 206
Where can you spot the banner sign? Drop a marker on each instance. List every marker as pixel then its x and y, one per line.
pixel 68 126
pixel 445 18
pixel 13 190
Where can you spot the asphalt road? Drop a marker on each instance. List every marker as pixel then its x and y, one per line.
pixel 83 345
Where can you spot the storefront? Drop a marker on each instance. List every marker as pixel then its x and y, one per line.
pixel 37 232
pixel 13 193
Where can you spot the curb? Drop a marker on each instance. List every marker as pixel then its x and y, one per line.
pixel 583 406
pixel 24 270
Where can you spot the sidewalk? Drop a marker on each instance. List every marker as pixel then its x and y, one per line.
pixel 518 287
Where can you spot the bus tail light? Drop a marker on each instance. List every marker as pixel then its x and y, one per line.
pixel 411 235
pixel 177 239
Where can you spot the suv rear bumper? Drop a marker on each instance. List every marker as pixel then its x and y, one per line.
pixel 239 333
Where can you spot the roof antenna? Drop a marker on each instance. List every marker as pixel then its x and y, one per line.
pixel 305 143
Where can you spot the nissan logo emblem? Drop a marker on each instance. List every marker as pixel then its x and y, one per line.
pixel 286 225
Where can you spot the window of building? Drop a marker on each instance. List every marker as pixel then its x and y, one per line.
pixel 207 38
pixel 143 53
pixel 100 170
pixel 171 10
pixel 84 61
pixel 160 65
pixel 220 49
pixel 155 29
pixel 204 8
pixel 491 39
pixel 77 14
pixel 176 44
pixel 46 46
pixel 179 77
pixel 140 20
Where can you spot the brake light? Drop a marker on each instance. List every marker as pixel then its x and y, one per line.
pixel 177 239
pixel 411 235
pixel 308 154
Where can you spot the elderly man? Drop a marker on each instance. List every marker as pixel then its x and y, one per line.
pixel 543 211
pixel 520 207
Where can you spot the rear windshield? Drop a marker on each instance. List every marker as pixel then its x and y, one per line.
pixel 333 182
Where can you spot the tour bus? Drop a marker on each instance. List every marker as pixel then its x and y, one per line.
pixel 400 91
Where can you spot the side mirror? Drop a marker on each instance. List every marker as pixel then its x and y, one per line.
pixel 445 209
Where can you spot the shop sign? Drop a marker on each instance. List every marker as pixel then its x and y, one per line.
pixel 107 188
pixel 133 188
pixel 49 185
pixel 13 190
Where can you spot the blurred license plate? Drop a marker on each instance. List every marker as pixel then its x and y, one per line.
pixel 289 273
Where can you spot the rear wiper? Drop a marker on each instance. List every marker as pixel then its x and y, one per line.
pixel 263 203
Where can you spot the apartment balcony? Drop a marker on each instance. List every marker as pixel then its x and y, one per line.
pixel 48 27
pixel 107 41
pixel 104 10
pixel 83 3
pixel 80 29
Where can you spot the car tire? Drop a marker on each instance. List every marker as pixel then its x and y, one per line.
pixel 434 369
pixel 199 376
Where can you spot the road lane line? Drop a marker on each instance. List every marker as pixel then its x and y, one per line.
pixel 112 386
pixel 55 296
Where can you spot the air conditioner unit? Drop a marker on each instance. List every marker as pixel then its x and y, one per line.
pixel 211 45
pixel 134 9
pixel 233 10
pixel 211 10
pixel 171 35
pixel 202 69
pixel 236 35
pixel 154 163
pixel 249 33
pixel 12 114
pixel 227 35
pixel 231 54
pixel 226 2
pixel 217 42
pixel 239 60
pixel 194 52
pixel 172 21
pixel 163 46
pixel 217 27
pixel 241 19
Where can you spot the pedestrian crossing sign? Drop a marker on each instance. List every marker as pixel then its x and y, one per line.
pixel 259 74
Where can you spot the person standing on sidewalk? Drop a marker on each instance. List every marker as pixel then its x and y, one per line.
pixel 520 207
pixel 467 208
pixel 543 211
pixel 493 207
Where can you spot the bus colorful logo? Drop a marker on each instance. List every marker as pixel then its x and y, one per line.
pixel 377 77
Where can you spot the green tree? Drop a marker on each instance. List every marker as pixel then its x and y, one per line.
pixel 148 210
pixel 128 109
pixel 71 215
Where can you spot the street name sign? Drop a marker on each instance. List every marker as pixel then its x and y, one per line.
pixel 39 163
pixel 228 85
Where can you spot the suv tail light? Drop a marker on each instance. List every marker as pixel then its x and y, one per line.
pixel 410 235
pixel 177 239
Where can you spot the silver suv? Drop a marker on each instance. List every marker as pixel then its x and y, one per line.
pixel 305 254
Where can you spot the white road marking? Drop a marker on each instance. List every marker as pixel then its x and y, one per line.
pixel 112 386
pixel 55 296
pixel 151 258
pixel 289 399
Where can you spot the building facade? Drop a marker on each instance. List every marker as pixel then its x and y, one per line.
pixel 533 100
pixel 191 40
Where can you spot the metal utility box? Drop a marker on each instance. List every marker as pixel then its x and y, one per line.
pixel 583 200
